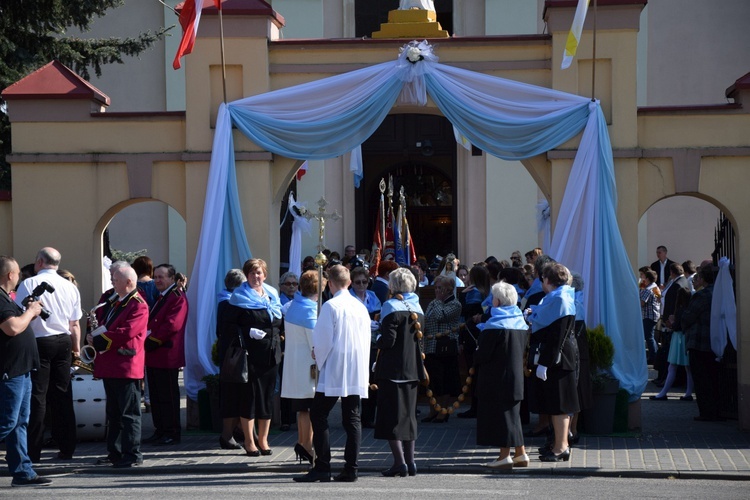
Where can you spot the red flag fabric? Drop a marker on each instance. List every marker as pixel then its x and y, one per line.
pixel 190 17
pixel 377 246
pixel 302 170
pixel 389 245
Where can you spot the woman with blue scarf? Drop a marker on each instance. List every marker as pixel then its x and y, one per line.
pixel 255 313
pixel 499 364
pixel 298 382
pixel 398 370
pixel 552 325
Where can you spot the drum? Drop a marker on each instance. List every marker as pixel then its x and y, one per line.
pixel 90 405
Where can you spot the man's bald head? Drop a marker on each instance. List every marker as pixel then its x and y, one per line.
pixel 124 280
pixel 47 258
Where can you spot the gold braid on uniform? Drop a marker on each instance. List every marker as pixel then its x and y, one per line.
pixel 433 402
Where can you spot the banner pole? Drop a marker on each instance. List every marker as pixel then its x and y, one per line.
pixel 223 63
pixel 593 62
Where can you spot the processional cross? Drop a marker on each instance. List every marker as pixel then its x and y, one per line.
pixel 320 258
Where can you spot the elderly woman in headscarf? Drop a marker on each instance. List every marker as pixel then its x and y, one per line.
pixel 552 324
pixel 255 313
pixel 499 361
pixel 398 370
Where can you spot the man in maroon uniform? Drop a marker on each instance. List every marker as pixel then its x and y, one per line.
pixel 120 363
pixel 165 355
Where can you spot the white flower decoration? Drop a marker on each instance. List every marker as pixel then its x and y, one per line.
pixel 414 54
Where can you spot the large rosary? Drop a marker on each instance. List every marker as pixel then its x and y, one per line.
pixel 426 382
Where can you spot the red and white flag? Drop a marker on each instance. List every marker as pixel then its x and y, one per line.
pixel 190 17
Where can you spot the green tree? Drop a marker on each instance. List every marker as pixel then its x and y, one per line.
pixel 34 32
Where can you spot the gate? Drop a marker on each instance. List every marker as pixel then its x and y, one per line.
pixel 724 247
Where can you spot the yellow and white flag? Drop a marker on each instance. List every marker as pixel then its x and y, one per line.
pixel 571 45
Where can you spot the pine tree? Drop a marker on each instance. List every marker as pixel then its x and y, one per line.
pixel 34 32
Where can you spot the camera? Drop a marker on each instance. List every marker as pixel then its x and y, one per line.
pixel 36 293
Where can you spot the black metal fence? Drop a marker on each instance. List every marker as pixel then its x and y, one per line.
pixel 724 247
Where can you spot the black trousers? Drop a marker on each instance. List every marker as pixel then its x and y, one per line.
pixel 164 391
pixel 124 417
pixel 705 371
pixel 321 408
pixel 53 377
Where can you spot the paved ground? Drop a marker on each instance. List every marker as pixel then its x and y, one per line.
pixel 671 444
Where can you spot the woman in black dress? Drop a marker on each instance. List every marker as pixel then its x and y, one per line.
pixel 230 411
pixel 552 325
pixel 255 312
pixel 499 361
pixel 398 369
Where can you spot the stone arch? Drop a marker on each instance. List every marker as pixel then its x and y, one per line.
pixel 106 219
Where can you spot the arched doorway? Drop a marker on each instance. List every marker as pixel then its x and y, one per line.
pixel 150 228
pixel 697 230
pixel 419 151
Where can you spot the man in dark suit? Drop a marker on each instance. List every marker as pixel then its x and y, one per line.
pixel 669 299
pixel 165 355
pixel 120 364
pixel 661 266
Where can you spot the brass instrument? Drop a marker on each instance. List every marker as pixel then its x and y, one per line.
pixel 86 359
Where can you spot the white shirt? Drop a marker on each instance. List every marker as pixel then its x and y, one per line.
pixel 64 304
pixel 341 340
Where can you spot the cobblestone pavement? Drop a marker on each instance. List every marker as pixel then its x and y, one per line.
pixel 671 444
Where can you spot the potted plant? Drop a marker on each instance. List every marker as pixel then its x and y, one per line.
pixel 599 419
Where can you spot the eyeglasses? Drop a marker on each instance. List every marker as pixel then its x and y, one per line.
pixel 360 282
pixel 291 283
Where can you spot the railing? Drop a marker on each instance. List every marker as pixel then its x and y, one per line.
pixel 724 247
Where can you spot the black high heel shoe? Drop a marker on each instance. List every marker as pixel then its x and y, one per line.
pixel 551 457
pixel 265 453
pixel 251 453
pixel 396 470
pixel 412 469
pixel 230 444
pixel 302 454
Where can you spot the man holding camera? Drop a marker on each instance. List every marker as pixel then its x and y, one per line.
pixel 18 357
pixel 57 337
pixel 120 364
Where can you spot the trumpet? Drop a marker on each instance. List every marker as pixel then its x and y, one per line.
pixel 86 360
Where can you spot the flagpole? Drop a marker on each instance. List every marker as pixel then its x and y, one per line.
pixel 223 63
pixel 593 66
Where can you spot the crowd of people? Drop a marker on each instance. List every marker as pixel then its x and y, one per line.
pixel 135 333
pixel 518 328
pixel 676 311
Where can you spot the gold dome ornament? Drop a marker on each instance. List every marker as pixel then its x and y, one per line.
pixel 321 259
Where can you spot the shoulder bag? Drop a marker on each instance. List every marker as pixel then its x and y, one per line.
pixel 234 369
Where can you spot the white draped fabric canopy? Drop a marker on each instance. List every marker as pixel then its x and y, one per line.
pixel 510 120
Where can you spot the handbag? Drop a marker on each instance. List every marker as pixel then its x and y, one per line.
pixel 234 369
pixel 445 347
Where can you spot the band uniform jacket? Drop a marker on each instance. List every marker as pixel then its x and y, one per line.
pixel 121 353
pixel 165 345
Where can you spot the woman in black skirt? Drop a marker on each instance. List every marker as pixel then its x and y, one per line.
pixel 552 325
pixel 254 311
pixel 499 362
pixel 398 369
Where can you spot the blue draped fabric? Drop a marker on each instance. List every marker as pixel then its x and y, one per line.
pixel 511 120
pixel 221 247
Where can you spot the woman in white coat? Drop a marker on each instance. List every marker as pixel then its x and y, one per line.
pixel 298 381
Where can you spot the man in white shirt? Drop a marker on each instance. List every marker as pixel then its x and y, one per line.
pixel 341 348
pixel 57 337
